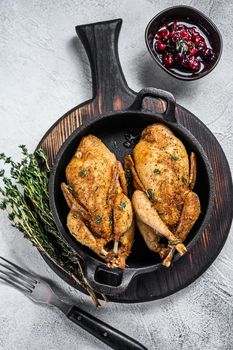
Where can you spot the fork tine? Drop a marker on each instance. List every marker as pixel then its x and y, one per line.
pixel 22 289
pixel 17 280
pixel 18 270
pixel 12 272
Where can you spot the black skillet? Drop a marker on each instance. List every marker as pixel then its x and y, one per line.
pixel 111 129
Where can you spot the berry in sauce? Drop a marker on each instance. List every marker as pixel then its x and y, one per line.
pixel 163 34
pixel 191 62
pixel 192 51
pixel 168 60
pixel 160 47
pixel 183 47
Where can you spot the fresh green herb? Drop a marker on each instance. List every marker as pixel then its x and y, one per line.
pixel 184 49
pixel 25 198
pixel 156 171
pixel 181 46
pixel 122 205
pixel 150 194
pixel 98 220
pixel 178 44
pixel 83 172
pixel 174 158
pixel 72 191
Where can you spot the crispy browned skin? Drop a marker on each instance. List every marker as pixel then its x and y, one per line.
pixel 162 164
pixel 97 196
pixel 161 168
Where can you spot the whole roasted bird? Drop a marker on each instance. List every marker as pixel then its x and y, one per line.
pixel 164 177
pixel 101 215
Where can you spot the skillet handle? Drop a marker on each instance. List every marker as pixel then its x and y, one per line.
pixel 100 41
pixel 124 278
pixel 169 113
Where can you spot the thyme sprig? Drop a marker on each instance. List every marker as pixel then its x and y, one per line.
pixel 25 197
pixel 182 46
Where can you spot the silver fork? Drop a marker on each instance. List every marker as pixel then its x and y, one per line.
pixel 40 291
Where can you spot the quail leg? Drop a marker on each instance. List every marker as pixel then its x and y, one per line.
pixel 147 213
pixel 121 205
pixel 191 200
pixel 122 215
pixel 152 238
pixel 73 203
pixel 126 242
pixel 82 233
pixel 190 213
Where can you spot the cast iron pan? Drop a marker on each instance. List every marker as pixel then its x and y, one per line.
pixel 111 129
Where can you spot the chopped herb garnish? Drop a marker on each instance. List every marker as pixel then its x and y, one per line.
pixel 174 158
pixel 83 172
pixel 184 49
pixel 122 205
pixel 178 45
pixel 181 46
pixel 156 171
pixel 161 213
pixel 98 220
pixel 72 191
pixel 150 194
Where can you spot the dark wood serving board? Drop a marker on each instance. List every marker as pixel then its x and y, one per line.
pixel 111 93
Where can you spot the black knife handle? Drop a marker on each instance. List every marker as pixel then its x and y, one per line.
pixel 101 330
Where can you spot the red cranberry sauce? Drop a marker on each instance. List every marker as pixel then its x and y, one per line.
pixel 183 47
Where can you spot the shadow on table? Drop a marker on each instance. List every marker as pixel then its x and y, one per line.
pixel 150 74
pixel 76 47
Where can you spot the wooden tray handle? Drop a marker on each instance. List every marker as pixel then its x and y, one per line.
pixel 109 85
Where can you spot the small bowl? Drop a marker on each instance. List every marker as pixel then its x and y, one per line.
pixel 195 17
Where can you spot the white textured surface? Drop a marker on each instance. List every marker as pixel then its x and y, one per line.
pixel 42 77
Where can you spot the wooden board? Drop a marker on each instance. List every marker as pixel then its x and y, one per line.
pixel 111 93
